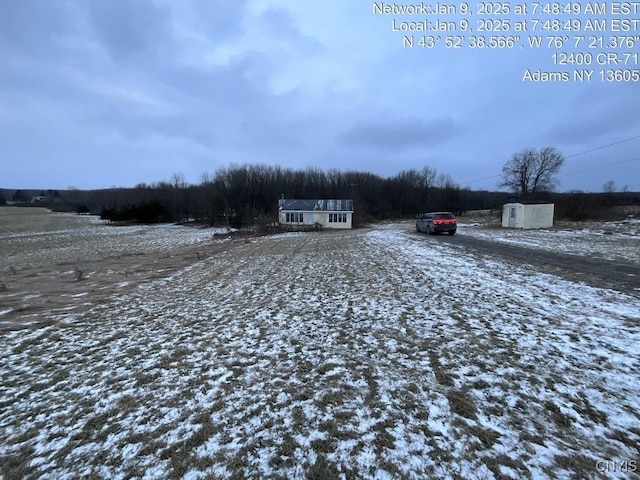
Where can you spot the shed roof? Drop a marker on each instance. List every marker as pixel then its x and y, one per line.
pixel 325 205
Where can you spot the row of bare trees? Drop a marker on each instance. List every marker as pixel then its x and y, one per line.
pixel 246 194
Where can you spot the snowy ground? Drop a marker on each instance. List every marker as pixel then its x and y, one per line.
pixel 44 254
pixel 613 240
pixel 363 354
pixel 69 237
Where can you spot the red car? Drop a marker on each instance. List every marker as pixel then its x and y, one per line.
pixel 437 222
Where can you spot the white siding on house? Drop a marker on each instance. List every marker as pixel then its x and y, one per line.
pixel 334 220
pixel 307 213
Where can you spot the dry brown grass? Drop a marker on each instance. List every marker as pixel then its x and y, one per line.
pixel 442 377
pixel 323 470
pixel 560 418
pixel 16 466
pixel 494 462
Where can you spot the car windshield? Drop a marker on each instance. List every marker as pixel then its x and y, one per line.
pixel 444 215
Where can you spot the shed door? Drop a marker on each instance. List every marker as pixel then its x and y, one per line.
pixel 512 217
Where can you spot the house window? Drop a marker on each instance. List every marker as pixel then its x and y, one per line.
pixel 337 218
pixel 294 217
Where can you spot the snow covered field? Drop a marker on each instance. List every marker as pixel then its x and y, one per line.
pixel 69 237
pixel 369 354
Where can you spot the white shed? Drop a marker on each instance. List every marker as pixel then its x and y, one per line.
pixel 527 215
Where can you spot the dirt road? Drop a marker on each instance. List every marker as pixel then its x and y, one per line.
pixel 594 271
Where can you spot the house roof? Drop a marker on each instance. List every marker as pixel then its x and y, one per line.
pixel 322 205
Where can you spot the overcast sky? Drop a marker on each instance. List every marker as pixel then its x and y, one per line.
pixel 118 92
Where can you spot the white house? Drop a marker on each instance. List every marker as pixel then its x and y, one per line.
pixel 527 215
pixel 310 214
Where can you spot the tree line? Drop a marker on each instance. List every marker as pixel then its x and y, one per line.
pixel 244 195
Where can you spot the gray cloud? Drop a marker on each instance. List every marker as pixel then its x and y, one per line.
pixel 218 21
pixel 398 134
pixel 32 28
pixel 598 114
pixel 131 29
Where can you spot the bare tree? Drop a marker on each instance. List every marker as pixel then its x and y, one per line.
pixel 178 181
pixel 179 185
pixel 609 187
pixel 532 171
pixel 444 180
